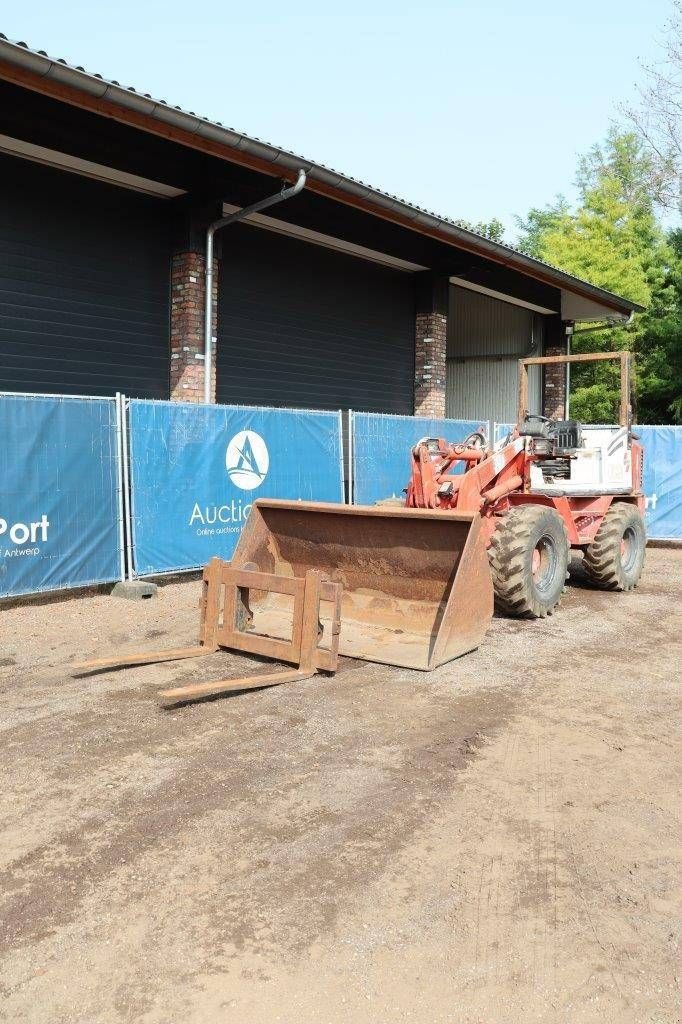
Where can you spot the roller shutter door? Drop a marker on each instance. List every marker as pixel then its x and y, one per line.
pixel 486 337
pixel 305 327
pixel 84 285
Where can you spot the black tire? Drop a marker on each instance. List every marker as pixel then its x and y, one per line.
pixel 615 558
pixel 529 561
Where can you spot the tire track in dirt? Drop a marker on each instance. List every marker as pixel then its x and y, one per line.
pixel 44 889
pixel 332 832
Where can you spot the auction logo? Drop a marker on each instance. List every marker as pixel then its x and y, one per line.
pixel 247 460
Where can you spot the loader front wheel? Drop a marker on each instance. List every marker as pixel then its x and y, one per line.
pixel 615 558
pixel 528 557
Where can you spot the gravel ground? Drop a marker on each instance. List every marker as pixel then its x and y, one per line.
pixel 498 841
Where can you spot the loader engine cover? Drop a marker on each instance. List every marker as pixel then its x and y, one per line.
pixel 417 590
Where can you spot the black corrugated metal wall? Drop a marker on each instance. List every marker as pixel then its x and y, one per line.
pixel 305 327
pixel 84 285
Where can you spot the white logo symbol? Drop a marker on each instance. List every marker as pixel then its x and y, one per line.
pixel 247 460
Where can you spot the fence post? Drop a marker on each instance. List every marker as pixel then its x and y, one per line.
pixel 125 405
pixel 351 455
pixel 342 453
pixel 119 486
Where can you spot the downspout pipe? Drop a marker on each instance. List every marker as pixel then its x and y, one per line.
pixel 570 328
pixel 287 192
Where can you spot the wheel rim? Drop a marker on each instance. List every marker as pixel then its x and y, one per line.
pixel 628 549
pixel 543 564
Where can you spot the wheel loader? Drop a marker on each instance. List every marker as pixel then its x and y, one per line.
pixel 549 486
pixel 415 586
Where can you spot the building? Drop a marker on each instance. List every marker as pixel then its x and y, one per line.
pixel 342 297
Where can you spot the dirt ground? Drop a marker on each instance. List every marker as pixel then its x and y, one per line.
pixel 498 841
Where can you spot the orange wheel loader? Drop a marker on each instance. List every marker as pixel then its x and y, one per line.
pixel 548 487
pixel 414 586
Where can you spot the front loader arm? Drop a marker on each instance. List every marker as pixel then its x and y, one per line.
pixel 433 485
pixel 431 467
pixel 503 469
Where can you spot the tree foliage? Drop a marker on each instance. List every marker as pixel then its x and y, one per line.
pixel 614 240
pixel 492 229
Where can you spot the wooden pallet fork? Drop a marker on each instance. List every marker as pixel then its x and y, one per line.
pixel 226 621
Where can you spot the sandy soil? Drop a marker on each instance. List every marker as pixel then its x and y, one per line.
pixel 498 841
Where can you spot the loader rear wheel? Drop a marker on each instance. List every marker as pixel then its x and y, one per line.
pixel 615 558
pixel 528 557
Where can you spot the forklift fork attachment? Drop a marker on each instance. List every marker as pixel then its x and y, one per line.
pixel 227 621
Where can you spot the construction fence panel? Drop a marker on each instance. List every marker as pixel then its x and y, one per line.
pixel 60 493
pixel 662 482
pixel 501 431
pixel 195 471
pixel 381 445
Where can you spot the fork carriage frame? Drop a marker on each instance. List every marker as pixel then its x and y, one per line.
pixel 232 630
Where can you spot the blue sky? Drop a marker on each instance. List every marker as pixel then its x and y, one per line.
pixel 473 110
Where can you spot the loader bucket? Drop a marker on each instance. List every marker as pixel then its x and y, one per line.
pixel 417 590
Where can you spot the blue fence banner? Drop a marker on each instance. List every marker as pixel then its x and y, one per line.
pixel 60 520
pixel 196 469
pixel 662 483
pixel 381 444
pixel 501 431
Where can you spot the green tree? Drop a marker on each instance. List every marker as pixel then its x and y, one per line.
pixel 537 224
pixel 492 229
pixel 659 348
pixel 613 240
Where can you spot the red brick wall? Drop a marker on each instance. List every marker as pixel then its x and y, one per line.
pixel 187 327
pixel 429 364
pixel 554 391
pixel 554 377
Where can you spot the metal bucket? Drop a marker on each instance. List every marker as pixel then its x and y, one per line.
pixel 417 590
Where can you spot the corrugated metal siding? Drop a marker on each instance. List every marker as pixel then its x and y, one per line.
pixel 302 326
pixel 481 325
pixel 498 333
pixel 488 390
pixel 84 285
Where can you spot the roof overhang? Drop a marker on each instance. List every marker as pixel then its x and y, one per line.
pixel 37 71
pixel 87 168
pixel 493 293
pixel 580 307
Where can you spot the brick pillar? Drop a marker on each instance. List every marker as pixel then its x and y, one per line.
pixel 430 343
pixel 554 377
pixel 187 327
